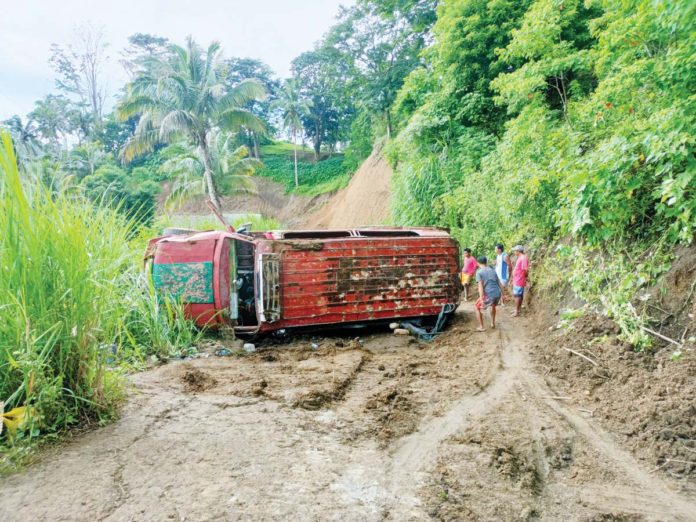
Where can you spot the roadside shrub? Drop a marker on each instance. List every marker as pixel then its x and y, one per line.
pixel 71 307
pixel 61 264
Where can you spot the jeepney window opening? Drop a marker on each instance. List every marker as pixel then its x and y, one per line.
pixel 317 234
pixel 387 233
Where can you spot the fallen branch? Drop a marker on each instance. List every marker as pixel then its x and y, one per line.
pixel 667 461
pixel 581 355
pixel 659 335
pixel 591 412
pixel 688 298
pixel 557 397
pixel 661 310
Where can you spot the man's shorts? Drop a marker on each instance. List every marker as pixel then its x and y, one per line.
pixel 518 291
pixel 483 303
pixel 466 277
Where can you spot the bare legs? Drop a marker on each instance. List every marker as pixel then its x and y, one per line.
pixel 479 318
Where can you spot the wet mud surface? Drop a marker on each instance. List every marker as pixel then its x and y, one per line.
pixel 472 426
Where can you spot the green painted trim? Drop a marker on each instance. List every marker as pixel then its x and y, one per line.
pixel 187 282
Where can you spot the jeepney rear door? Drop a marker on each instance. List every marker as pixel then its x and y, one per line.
pixel 270 288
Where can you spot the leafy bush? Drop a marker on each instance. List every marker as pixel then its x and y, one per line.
pixel 133 194
pixel 608 281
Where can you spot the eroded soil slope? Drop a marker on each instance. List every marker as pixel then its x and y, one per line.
pixel 380 427
pixel 365 201
pixel 269 200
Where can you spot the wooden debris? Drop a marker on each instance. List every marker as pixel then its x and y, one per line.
pixel 581 355
pixel 659 335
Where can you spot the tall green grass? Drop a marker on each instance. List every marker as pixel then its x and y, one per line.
pixel 61 263
pixel 70 304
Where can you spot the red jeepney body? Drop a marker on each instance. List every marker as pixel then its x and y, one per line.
pixel 292 279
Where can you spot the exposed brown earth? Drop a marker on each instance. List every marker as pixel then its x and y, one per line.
pixel 269 200
pixel 365 201
pixel 468 427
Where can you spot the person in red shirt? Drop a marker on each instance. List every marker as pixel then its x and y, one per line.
pixel 468 270
pixel 519 277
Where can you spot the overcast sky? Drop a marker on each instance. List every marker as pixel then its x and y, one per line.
pixel 274 31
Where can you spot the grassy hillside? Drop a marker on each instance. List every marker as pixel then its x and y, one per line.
pixel 327 175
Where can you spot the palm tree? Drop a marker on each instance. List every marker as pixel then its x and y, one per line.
pixel 231 165
pixel 293 107
pixel 25 138
pixel 182 97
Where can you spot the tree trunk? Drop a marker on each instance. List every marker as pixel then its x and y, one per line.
pixel 294 141
pixel 256 145
pixel 317 148
pixel 317 140
pixel 208 176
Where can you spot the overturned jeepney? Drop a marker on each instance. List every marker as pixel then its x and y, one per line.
pixel 269 281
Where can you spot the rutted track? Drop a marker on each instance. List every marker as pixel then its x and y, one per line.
pixel 459 429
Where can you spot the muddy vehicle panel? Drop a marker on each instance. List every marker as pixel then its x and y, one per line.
pixel 279 280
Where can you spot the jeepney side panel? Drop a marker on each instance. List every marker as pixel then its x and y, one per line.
pixel 363 279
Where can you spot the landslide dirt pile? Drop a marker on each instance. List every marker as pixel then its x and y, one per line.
pixel 646 398
pixel 365 201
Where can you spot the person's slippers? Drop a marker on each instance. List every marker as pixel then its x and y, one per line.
pixel 480 330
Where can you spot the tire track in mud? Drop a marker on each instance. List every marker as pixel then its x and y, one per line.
pixel 634 491
pixel 654 497
pixel 407 467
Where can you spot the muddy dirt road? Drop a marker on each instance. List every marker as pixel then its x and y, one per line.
pixel 464 428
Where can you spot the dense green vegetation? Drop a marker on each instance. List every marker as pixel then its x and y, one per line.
pixel 546 119
pixel 552 118
pixel 314 178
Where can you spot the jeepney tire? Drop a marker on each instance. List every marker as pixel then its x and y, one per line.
pixel 177 231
